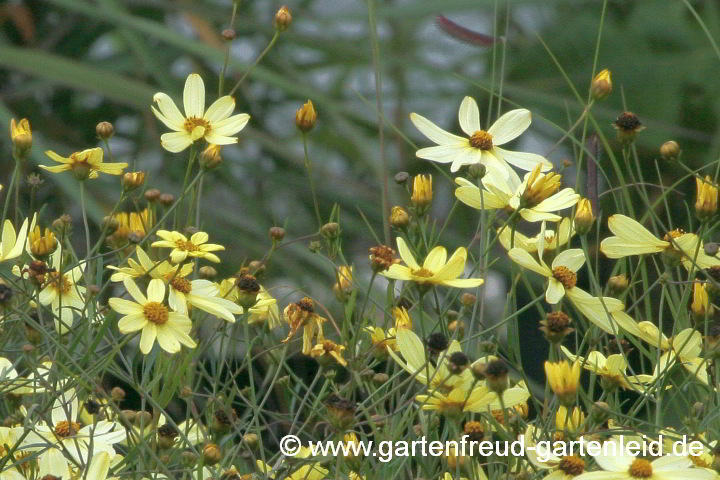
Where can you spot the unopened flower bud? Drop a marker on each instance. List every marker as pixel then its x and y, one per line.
pixel 133 180
pixel 143 419
pixel 210 157
pixel 250 439
pixel 618 284
pixel 117 394
pixel 21 137
pixel 207 272
pixel 380 378
pixel 401 178
pixel 711 248
pixel 468 299
pixel 599 412
pixel 277 234
pixel 584 217
pixel 186 391
pixel 283 19
pixel 166 199
pixel 670 150
pixel 422 193
pixel 306 117
pixel 399 217
pixel 104 130
pixel 706 202
pixel 110 224
pixel 152 195
pixel 228 34
pixel 601 85
pixel 477 171
pixel 211 454
pixel 330 230
pixel 457 329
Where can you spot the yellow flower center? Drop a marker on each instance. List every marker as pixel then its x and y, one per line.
pixel 482 140
pixel 186 246
pixel 572 465
pixel 66 429
pixel 640 468
pixel 194 122
pixel 674 234
pixel 181 285
pixel 156 313
pixel 60 282
pixel 698 461
pixel 423 272
pixel 565 276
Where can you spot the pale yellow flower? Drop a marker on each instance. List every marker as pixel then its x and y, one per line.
pixel 542 457
pixel 436 269
pixel 196 247
pixel 86 164
pixel 12 244
pixel 553 239
pixel 215 125
pixel 477 400
pixel 152 316
pixel 612 369
pixel 563 379
pixel 534 199
pixel 479 146
pixel 631 238
pixel 620 464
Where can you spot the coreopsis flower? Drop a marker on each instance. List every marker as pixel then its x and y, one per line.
pixel 86 164
pixel 436 269
pixel 21 137
pixel 61 290
pixel 344 284
pixel 328 351
pixel 701 307
pixel 618 463
pixel 542 457
pixel 265 310
pixel 151 316
pixel 12 244
pixel 201 294
pixel 534 199
pixel 571 423
pixel 584 217
pixel 41 244
pixel 562 280
pixel 601 85
pixel 422 193
pixel 383 341
pixel 631 238
pixel 215 125
pixel 553 239
pixel 684 348
pixel 612 369
pixel 415 362
pixel 36 381
pixel 306 117
pixel 196 247
pixel 706 202
pixel 64 434
pixel 563 379
pixel 302 315
pixel 480 146
pixel 479 399
pixel 131 223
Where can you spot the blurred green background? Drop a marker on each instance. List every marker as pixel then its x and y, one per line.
pixel 69 64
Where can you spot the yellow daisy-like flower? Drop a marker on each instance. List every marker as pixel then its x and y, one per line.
pixel 436 269
pixel 480 146
pixel 183 248
pixel 563 379
pixel 611 369
pixel 631 238
pixel 684 348
pixel 302 315
pixel 215 125
pixel 619 463
pixel 542 457
pixel 535 198
pixel 327 350
pixel 706 203
pixel 86 164
pixel 478 400
pixel 383 341
pixel 131 223
pixel 569 423
pixel 415 362
pixel 562 279
pixel 12 244
pixel 152 316
pixel 553 239
pixel 62 292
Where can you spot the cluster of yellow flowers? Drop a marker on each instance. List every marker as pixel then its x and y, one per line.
pixel 405 354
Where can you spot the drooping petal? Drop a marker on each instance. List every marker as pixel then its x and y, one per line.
pixel 522 160
pixel 167 112
pixel 524 259
pixel 555 292
pixel 176 141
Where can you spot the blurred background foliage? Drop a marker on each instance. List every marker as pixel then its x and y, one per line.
pixel 69 64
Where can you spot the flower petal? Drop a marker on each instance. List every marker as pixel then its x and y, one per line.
pixel 435 133
pixel 168 112
pixel 221 109
pixel 469 116
pixel 175 142
pixel 194 96
pixel 510 125
pixel 522 160
pixel 406 254
pixel 230 126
